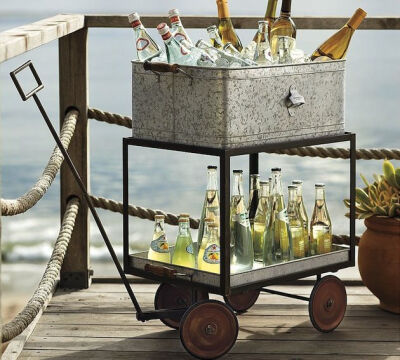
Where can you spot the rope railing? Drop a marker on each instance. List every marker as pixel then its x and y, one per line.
pixel 50 276
pixel 10 207
pixel 172 219
pixel 310 151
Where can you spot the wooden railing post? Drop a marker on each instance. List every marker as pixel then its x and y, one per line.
pixel 73 83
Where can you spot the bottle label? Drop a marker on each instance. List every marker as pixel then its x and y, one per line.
pixel 283 216
pixel 160 245
pixel 242 219
pixel 142 44
pixel 183 51
pixel 189 249
pixel 212 254
pixel 136 23
pixel 179 36
pixel 174 19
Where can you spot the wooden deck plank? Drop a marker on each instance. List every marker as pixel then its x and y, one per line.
pixel 100 323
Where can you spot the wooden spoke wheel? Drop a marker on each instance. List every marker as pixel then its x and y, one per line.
pixel 208 329
pixel 243 301
pixel 327 304
pixel 170 296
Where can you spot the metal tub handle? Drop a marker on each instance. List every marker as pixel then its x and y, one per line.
pixel 161 67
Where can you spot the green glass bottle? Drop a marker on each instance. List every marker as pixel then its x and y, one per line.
pixel 277 238
pixel 295 224
pixel 303 215
pixel 183 252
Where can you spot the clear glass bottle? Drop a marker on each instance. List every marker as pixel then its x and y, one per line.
pixel 200 56
pixel 215 39
pixel 320 225
pixel 206 232
pixel 262 54
pixel 211 203
pixel 146 47
pixel 253 197
pixel 260 220
pixel 183 252
pixel 210 257
pixel 269 16
pixel 277 238
pixel 295 224
pixel 336 46
pixel 242 253
pixel 230 49
pixel 159 247
pixel 223 59
pixel 303 215
pixel 177 29
pixel 225 26
pixel 282 26
pixel 176 52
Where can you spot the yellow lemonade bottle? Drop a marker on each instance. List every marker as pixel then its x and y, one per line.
pixel 159 248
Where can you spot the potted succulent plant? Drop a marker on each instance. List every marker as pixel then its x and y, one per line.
pixel 379 248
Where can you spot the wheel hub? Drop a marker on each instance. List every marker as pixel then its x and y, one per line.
pixel 211 329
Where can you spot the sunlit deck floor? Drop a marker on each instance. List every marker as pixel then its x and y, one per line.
pixel 99 323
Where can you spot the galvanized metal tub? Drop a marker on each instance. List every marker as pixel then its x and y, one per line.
pixel 230 108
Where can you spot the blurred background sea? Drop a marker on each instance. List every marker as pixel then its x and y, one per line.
pixel 160 179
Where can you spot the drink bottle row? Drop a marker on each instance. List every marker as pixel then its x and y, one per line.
pixel 273 43
pixel 262 233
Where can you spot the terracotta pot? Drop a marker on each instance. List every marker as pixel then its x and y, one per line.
pixel 379 261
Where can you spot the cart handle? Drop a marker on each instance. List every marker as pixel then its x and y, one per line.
pixel 13 74
pixel 161 271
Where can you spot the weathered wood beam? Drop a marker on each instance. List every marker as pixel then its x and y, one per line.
pixel 244 22
pixel 19 40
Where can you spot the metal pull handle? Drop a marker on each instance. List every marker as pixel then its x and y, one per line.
pixel 294 100
pixel 159 67
pixel 14 73
pixel 161 271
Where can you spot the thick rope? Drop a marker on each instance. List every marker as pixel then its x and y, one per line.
pixel 311 151
pixel 110 118
pixel 25 202
pixel 50 276
pixel 140 212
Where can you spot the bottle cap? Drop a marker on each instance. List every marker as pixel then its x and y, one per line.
pixel 297 182
pixel 319 185
pixel 238 171
pixel 286 6
pixel 211 167
pixel 213 226
pixel 183 219
pixel 163 28
pixel 357 19
pixel 184 215
pixel 208 220
pixel 133 17
pixel 276 169
pixel 173 12
pixel 212 28
pixel 159 217
pixel 264 183
pixel 292 187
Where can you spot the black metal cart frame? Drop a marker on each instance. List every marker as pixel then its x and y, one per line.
pixel 225 156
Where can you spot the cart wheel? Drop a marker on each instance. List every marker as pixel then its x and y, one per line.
pixel 208 329
pixel 174 297
pixel 243 301
pixel 327 303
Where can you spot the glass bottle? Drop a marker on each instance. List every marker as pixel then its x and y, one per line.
pixel 200 56
pixel 242 253
pixel 253 197
pixel 336 46
pixel 159 248
pixel 183 252
pixel 269 16
pixel 277 239
pixel 295 224
pixel 303 215
pixel 146 47
pixel 211 203
pixel 282 26
pixel 177 28
pixel 215 39
pixel 225 26
pixel 210 257
pixel 260 220
pixel 262 52
pixel 320 226
pixel 176 52
pixel 201 245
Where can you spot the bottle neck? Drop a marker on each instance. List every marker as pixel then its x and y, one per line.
pixel 319 194
pixel 184 227
pixel 357 18
pixel 136 24
pixel 212 183
pixel 286 8
pixel 254 182
pixel 270 14
pixel 213 235
pixel 264 189
pixel 263 27
pixel 292 195
pixel 167 37
pixel 175 21
pixel 237 185
pixel 159 226
pixel 276 188
pixel 223 10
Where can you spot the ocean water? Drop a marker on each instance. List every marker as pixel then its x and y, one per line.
pixel 166 180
